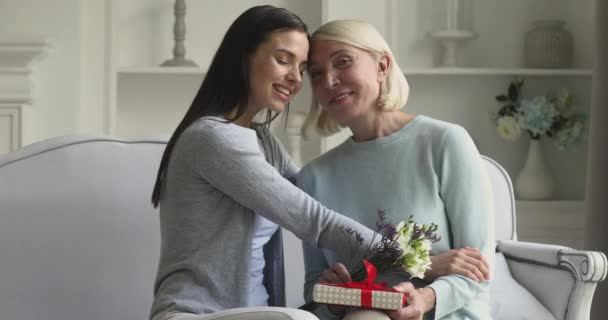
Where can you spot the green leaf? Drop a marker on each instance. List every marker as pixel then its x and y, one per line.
pixel 513 92
pixel 502 98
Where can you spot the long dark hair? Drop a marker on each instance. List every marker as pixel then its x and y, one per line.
pixel 226 84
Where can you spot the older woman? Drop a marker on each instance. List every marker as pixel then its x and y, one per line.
pixel 401 163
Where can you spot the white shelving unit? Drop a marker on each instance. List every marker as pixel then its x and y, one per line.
pixel 143 98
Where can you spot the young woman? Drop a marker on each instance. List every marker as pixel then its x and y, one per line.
pixel 397 162
pixel 223 185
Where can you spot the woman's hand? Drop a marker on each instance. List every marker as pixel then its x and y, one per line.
pixel 468 262
pixel 419 301
pixel 338 274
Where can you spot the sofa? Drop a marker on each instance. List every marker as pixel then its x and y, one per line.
pixel 79 239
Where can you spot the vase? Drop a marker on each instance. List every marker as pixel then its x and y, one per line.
pixel 548 45
pixel 534 181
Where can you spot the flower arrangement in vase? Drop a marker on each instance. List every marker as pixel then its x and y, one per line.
pixel 552 116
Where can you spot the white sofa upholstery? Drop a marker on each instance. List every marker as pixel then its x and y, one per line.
pixel 80 240
pixel 562 279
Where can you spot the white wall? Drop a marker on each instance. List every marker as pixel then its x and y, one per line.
pixel 56 109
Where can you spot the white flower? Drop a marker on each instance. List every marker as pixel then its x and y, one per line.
pixel 508 128
pixel 400 226
pixel 426 245
pixel 415 243
pixel 404 243
pixel 419 268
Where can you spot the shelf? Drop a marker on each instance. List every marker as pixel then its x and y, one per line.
pixel 408 72
pixel 497 72
pixel 134 71
pixel 551 203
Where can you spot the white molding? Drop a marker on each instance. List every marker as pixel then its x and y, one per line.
pixel 16 58
pixel 19 53
pixel 497 72
pixel 14 114
pixel 160 71
pixel 324 11
pixel 112 58
pixel 392 25
pixel 92 94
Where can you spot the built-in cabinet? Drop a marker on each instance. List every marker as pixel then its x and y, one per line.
pixel 146 98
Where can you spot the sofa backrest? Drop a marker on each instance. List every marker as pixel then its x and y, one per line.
pixel 79 238
pixel 504 201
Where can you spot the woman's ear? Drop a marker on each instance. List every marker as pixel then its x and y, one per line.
pixel 384 62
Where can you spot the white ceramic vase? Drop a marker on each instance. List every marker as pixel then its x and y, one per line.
pixel 534 181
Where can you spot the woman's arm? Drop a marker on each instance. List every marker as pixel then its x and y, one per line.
pixel 229 158
pixel 314 265
pixel 466 191
pixel 467 261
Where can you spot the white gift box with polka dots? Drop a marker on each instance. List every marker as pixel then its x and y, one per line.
pixel 329 294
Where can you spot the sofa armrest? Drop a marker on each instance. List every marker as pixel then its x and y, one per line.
pixel 561 278
pixel 262 313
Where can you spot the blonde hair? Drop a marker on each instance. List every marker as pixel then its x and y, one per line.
pixel 394 90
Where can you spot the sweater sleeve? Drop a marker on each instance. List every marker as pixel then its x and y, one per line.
pixel 230 159
pixel 466 191
pixel 314 265
pixel 288 168
pixel 314 259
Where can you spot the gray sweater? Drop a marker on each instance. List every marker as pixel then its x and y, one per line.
pixel 218 177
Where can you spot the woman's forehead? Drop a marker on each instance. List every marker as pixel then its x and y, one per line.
pixel 321 50
pixel 292 41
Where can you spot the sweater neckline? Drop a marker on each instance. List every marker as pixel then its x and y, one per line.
pixel 386 139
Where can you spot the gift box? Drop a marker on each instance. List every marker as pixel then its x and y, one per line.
pixel 358 297
pixel 365 294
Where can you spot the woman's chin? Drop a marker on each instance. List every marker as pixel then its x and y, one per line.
pixel 277 108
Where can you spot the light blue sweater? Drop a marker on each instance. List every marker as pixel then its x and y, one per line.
pixel 430 169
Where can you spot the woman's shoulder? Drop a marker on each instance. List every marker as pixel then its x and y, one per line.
pixel 437 125
pixel 215 128
pixel 329 158
pixel 441 130
pixel 209 135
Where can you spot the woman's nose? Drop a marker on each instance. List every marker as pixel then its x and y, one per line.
pixel 331 79
pixel 294 76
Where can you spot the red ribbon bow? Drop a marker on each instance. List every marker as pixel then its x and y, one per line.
pixel 367 285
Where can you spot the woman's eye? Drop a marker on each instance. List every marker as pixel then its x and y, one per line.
pixel 281 61
pixel 342 62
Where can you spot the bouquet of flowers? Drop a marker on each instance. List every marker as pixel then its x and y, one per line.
pixel 404 247
pixel 551 115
